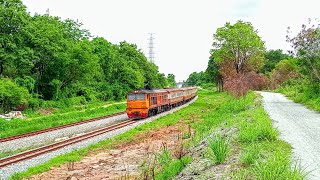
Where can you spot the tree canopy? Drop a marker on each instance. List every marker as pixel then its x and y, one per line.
pixel 56 59
pixel 239 44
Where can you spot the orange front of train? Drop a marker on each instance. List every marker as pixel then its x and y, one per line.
pixel 137 105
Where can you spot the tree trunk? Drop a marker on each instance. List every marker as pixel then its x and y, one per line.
pixel 1 68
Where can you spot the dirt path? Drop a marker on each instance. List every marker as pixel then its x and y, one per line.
pixel 298 126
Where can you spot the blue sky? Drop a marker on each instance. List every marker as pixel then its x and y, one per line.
pixel 183 28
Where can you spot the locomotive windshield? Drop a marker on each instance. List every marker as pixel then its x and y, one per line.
pixel 136 96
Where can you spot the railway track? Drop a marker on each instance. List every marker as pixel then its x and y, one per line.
pixel 52 147
pixel 10 138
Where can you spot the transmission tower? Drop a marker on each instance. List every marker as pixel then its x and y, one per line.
pixel 151 47
pixel 48 12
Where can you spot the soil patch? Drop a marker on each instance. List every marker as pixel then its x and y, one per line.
pixel 121 162
pixel 46 111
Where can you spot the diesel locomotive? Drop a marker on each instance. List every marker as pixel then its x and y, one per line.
pixel 146 103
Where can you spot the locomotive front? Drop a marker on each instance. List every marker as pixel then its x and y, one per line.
pixel 137 105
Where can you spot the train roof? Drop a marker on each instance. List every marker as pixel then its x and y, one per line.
pixel 145 91
pixel 174 89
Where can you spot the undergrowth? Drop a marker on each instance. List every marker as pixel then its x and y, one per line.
pixel 302 91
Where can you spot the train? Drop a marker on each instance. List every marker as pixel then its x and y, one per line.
pixel 145 103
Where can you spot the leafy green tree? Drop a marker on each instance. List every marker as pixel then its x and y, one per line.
pixel 15 58
pixel 171 81
pixel 197 79
pixel 55 59
pixel 272 57
pixel 239 44
pixel 162 80
pixel 27 82
pixel 213 74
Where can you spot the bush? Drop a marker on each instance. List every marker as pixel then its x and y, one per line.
pixel 218 149
pixel 284 70
pixel 209 86
pixel 12 96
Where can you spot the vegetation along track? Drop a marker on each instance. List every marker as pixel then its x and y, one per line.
pixel 57 128
pixel 49 148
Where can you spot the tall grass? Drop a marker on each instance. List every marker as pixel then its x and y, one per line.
pixel 304 92
pixel 218 149
pixel 258 129
pixel 278 167
pixel 173 168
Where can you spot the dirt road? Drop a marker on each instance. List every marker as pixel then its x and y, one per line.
pixel 298 126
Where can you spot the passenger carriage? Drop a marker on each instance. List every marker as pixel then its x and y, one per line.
pixel 145 103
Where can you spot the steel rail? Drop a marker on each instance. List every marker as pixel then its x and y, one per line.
pixel 33 133
pixel 52 147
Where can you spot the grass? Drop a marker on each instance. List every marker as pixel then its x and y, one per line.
pixel 277 167
pixel 173 168
pixel 75 114
pixel 165 166
pixel 218 149
pixel 257 142
pixel 301 92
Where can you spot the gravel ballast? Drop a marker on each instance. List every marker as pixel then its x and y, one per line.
pixel 8 171
pixel 298 126
pixel 52 136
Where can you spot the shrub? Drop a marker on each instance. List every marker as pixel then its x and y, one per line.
pixel 284 70
pixel 12 96
pixel 218 149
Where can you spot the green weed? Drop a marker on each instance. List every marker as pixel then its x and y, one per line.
pixel 218 149
pixel 258 129
pixel 278 167
pixel 302 91
pixel 251 155
pixel 173 168
pixel 164 157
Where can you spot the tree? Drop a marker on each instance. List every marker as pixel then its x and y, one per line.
pixel 214 74
pixel 306 47
pixel 272 57
pixel 239 44
pixel 283 71
pixel 171 81
pixel 197 79
pixel 15 57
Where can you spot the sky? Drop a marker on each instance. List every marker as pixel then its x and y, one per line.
pixel 183 29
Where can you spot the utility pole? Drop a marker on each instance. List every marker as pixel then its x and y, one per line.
pixel 151 47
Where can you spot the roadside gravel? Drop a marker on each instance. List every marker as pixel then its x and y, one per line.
pixel 8 171
pixel 52 136
pixel 298 126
